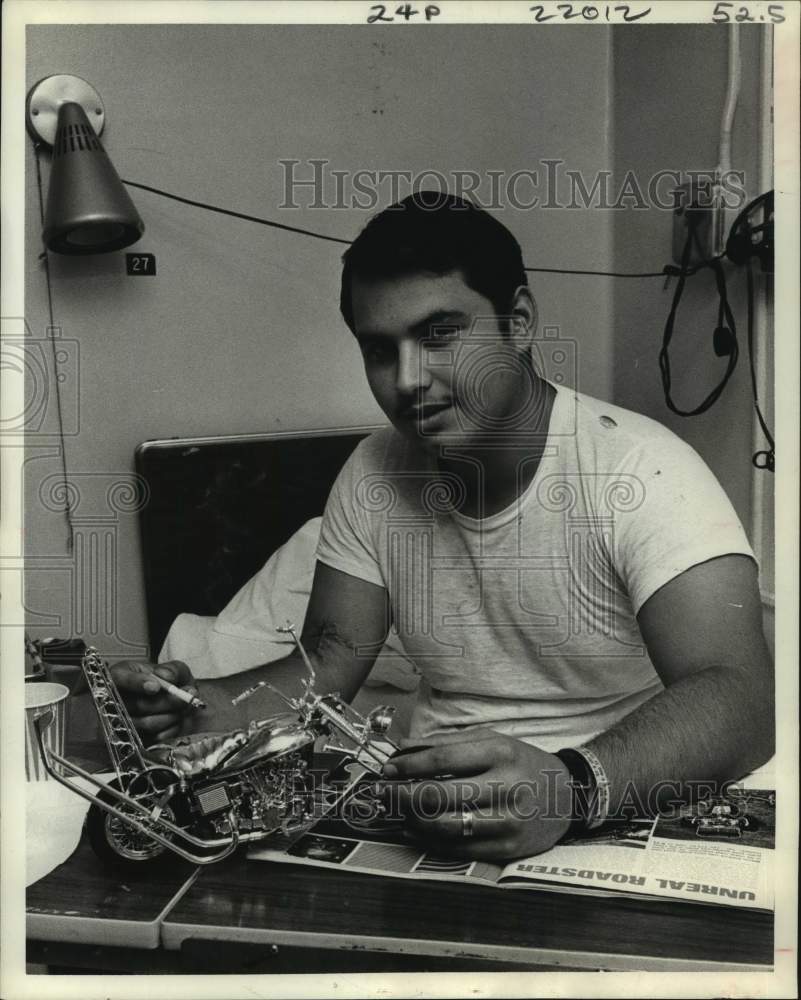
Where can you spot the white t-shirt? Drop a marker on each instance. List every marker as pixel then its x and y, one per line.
pixel 524 621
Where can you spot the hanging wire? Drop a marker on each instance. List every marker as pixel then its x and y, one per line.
pixel 665 272
pixel 726 322
pixel 668 271
pixel 237 215
pixel 45 258
pixel 761 459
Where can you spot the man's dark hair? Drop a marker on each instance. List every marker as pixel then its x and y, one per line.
pixel 439 233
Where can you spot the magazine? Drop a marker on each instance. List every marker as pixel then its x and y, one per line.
pixel 719 851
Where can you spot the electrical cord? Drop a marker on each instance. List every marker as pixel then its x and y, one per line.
pixel 44 256
pixel 665 272
pixel 761 459
pixel 725 336
pixel 725 339
pixel 237 215
pixel 668 271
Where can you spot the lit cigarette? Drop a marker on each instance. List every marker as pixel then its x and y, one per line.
pixel 190 699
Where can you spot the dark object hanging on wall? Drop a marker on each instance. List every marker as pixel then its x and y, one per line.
pixel 752 234
pixel 88 209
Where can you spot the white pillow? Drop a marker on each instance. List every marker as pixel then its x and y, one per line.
pixel 278 593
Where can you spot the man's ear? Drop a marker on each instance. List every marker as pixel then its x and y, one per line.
pixel 523 322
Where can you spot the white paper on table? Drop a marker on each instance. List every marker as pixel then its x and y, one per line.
pixel 53 821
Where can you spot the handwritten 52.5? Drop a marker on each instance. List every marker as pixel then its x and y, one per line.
pixel 726 12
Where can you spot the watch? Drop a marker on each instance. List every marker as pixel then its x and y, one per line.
pixel 589 790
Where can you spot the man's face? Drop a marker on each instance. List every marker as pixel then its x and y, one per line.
pixel 435 358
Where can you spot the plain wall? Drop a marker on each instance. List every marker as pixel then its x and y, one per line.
pixel 240 330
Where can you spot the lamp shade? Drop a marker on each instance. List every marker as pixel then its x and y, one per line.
pixel 88 209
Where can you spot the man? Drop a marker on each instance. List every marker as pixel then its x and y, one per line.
pixel 569 577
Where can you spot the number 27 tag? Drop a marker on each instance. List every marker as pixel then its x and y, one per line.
pixel 140 263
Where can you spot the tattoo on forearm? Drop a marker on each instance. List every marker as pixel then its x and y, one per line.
pixel 325 638
pixel 326 634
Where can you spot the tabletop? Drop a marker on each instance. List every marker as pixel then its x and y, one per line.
pixel 274 904
pixel 265 916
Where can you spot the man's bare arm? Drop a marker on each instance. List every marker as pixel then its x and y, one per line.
pixel 715 719
pixel 346 623
pixel 713 722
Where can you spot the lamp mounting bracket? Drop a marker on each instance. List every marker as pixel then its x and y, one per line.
pixel 46 97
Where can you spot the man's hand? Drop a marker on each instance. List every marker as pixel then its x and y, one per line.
pixel 157 714
pixel 515 797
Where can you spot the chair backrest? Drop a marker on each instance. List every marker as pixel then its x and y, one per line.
pixel 217 508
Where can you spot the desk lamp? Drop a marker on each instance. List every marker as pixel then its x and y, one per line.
pixel 88 209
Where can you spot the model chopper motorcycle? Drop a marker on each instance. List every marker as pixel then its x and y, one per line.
pixel 204 795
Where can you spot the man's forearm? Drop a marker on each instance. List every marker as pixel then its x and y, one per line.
pixel 343 675
pixel 712 726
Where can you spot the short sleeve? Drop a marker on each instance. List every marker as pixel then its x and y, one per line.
pixel 346 541
pixel 682 518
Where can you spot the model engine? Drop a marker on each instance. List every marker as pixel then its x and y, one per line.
pixel 202 796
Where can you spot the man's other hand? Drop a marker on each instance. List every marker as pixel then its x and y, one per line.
pixel 478 794
pixel 157 714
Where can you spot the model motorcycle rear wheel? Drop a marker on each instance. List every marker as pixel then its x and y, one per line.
pixel 119 843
